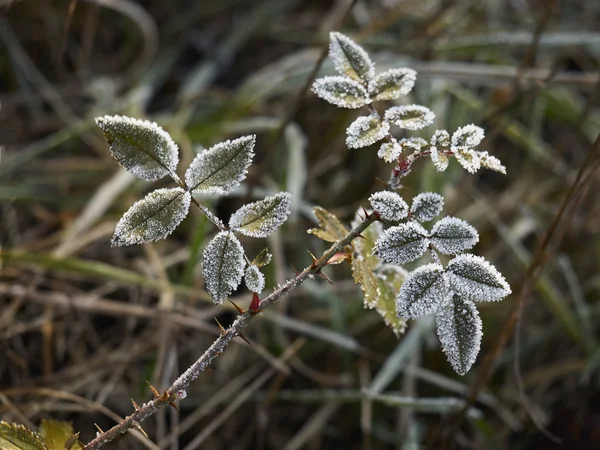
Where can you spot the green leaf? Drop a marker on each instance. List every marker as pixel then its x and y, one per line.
pixel 58 434
pixel 389 282
pixel 221 168
pixel 19 437
pixel 152 218
pixel 366 130
pixel 349 58
pixel 140 146
pixel 423 292
pixel 260 219
pixel 364 263
pixel 392 84
pixel 330 228
pixel 341 91
pixel 223 265
pixel 263 258
pixel 459 330
pixel 254 279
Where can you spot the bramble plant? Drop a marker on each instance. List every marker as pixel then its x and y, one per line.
pixel 392 232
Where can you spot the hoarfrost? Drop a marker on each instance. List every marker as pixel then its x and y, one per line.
pixel 152 218
pixel 422 292
pixel 389 205
pixel 476 279
pixel 254 279
pixel 366 130
pixel 349 58
pixel 468 136
pixel 260 219
pixel 440 160
pixel 491 162
pixel 410 117
pixel 402 243
pixel 451 236
pixel 223 265
pixel 221 168
pixel 459 330
pixel 392 84
pixel 426 206
pixel 469 159
pixel 441 138
pixel 140 146
pixel 390 151
pixel 341 91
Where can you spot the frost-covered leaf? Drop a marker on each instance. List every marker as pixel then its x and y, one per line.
pixel 413 143
pixel 426 206
pixel 56 434
pixel 491 162
pixel 221 168
pixel 476 279
pixel 468 137
pixel 452 236
pixel 330 228
pixel 389 282
pixel 389 205
pixel 459 330
pixel 349 58
pixel 410 117
pixel 140 146
pixel 439 159
pixel 440 141
pixel 441 138
pixel 469 159
pixel 366 130
pixel 402 243
pixel 263 258
pixel 19 437
pixel 223 265
pixel 392 84
pixel 152 218
pixel 341 91
pixel 390 151
pixel 422 292
pixel 260 219
pixel 254 279
pixel 364 263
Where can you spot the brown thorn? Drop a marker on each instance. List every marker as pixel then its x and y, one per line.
pixel 295 271
pixel 174 406
pixel 325 277
pixel 138 427
pixel 367 215
pixel 99 429
pixel 361 236
pixel 153 389
pixel 314 259
pixel 135 405
pixel 222 330
pixel 240 310
pixel 385 184
pixel 244 337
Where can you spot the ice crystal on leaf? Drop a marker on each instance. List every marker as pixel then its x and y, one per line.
pixel 223 265
pixel 389 205
pixel 221 168
pixel 389 282
pixel 391 84
pixel 426 206
pixel 422 292
pixel 474 278
pixel 366 130
pixel 402 243
pixel 410 117
pixel 468 136
pixel 260 219
pixel 254 279
pixel 349 58
pixel 440 160
pixel 491 162
pixel 451 236
pixel 341 91
pixel 469 159
pixel 459 330
pixel 140 146
pixel 263 258
pixel 364 263
pixel 330 228
pixel 390 151
pixel 441 138
pixel 152 218
pixel 413 143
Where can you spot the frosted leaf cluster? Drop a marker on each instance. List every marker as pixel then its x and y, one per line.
pixel 451 236
pixel 366 130
pixel 223 265
pixel 140 146
pixel 476 279
pixel 254 279
pixel 152 218
pixel 221 168
pixel 341 91
pixel 422 292
pixel 392 84
pixel 349 58
pixel 413 143
pixel 410 117
pixel 402 243
pixel 390 151
pixel 464 141
pixel 459 330
pixel 389 205
pixel 260 219
pixel 426 206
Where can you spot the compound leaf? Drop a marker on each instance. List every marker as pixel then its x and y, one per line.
pixel 221 168
pixel 473 278
pixel 223 265
pixel 140 146
pixel 152 218
pixel 402 243
pixel 341 91
pixel 422 292
pixel 452 236
pixel 260 219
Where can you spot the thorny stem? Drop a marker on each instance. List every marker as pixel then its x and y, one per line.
pixel 177 389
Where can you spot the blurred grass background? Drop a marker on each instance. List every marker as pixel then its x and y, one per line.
pixel 83 326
